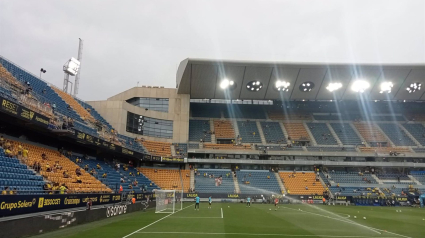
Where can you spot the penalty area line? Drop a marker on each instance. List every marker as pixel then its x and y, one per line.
pixel 222 213
pixel 134 232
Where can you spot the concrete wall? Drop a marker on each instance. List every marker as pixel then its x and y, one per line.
pixel 114 110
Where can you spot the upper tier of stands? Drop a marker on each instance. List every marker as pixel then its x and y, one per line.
pixel 273 133
pixel 206 184
pixel 199 129
pixel 331 149
pixel 245 111
pixel 385 150
pixel 357 117
pixel 227 146
pixel 257 181
pixel 17 176
pixel 296 131
pixel 224 129
pixel 322 134
pixel 84 114
pixel 417 131
pixel 396 134
pixel 370 132
pixel 169 179
pixel 180 149
pixel 279 115
pixel 419 175
pixel 158 148
pixel 301 183
pixel 346 134
pixel 248 131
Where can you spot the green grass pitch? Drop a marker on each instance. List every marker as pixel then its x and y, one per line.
pixel 236 220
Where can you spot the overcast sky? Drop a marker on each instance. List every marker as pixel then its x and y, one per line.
pixel 126 42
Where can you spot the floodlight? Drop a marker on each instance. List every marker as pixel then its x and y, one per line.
pixel 386 87
pixel 333 86
pixel 254 86
pixel 72 66
pixel 225 83
pixel 414 87
pixel 360 86
pixel 282 86
pixel 306 86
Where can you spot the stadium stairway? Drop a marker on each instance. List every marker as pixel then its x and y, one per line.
pixel 74 104
pixel 280 182
pixel 333 133
pixel 261 133
pixel 414 180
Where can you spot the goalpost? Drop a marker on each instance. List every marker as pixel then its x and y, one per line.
pixel 168 201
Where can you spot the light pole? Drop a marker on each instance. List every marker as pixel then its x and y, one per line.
pixel 42 71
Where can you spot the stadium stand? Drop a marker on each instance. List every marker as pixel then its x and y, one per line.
pixel 84 114
pixel 385 150
pixel 419 175
pixel 227 146
pixel 169 179
pixel 257 181
pixel 279 148
pixel 352 177
pixel 369 132
pixel 180 149
pixel 322 134
pixel 224 129
pixel 193 146
pixel 199 129
pixel 18 177
pixel 353 191
pixel 296 131
pixel 331 149
pixel 301 183
pixel 158 148
pixel 273 132
pixel 346 134
pixel 417 131
pixel 53 158
pixel 248 132
pixel 206 184
pixel 396 134
pixel 113 176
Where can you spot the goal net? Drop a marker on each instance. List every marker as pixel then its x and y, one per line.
pixel 168 201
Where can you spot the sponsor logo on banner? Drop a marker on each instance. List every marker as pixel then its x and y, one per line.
pixel 191 195
pixel 341 198
pixel 175 160
pixel 127 152
pixel 89 138
pixel 116 210
pixel 44 202
pixel 116 198
pixel 27 114
pixel 232 195
pixel 72 201
pixel 81 135
pixel 9 106
pixel 317 197
pixel 105 198
pixel 17 205
pixel 41 120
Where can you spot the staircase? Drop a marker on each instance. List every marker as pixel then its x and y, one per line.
pixel 260 129
pixel 334 134
pixel 279 181
pixel 359 135
pixel 192 179
pixel 173 150
pixel 235 182
pixel 213 139
pixel 313 141
pixel 377 179
pixel 409 135
pixel 414 180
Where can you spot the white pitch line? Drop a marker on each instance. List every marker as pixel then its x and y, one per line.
pixel 349 222
pixel 222 213
pixel 252 234
pixel 196 217
pixel 154 222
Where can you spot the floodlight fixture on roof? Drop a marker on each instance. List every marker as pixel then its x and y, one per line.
pixel 413 87
pixel 282 86
pixel 254 86
pixel 333 86
pixel 386 87
pixel 306 86
pixel 360 85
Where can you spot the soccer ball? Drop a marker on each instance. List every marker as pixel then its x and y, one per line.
pixel 355 217
pixel 228 206
pixel 270 209
pixel 364 218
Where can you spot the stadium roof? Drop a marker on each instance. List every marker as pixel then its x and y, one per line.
pixel 201 79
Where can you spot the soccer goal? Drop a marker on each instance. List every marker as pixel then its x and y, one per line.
pixel 168 201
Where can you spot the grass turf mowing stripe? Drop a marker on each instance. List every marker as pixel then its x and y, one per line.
pixel 154 222
pixel 251 234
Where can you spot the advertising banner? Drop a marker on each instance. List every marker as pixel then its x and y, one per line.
pixel 23 113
